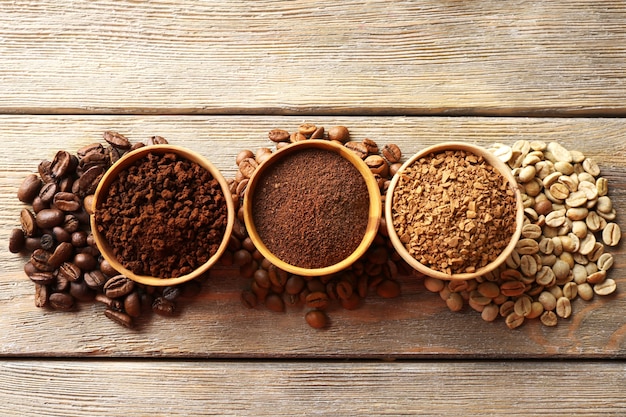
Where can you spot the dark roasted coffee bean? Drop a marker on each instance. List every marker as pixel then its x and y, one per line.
pixel 112 303
pixel 316 319
pixel 132 304
pixel 344 289
pixel 100 159
pixel 17 240
pixel 157 140
pixel 60 234
pixel 119 317
pixel 29 189
pixel 137 145
pixel 85 261
pixel 29 268
pixel 388 289
pixel 61 284
pixel 47 192
pixel 91 148
pixel 118 286
pixel 62 164
pixel 114 154
pixel 278 277
pixel 107 269
pixel 48 218
pixel 42 278
pixel 88 182
pixel 94 279
pixel 61 301
pixel 42 292
pixel 294 284
pixel 81 292
pixel 275 302
pixel 44 171
pixel 47 241
pixel 39 205
pixel 71 223
pixel 67 202
pixel 163 307
pixel 63 252
pixel 116 139
pixel 41 260
pixel 262 278
pixel 78 239
pixel 66 184
pixel 28 222
pixel 171 293
pixel 32 244
pixel 248 299
pixel 317 300
pixel 358 148
pixel 70 272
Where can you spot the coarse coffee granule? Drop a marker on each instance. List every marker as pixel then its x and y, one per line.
pixel 311 208
pixel 453 211
pixel 164 216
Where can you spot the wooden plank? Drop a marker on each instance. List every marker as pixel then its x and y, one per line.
pixel 349 57
pixel 417 324
pixel 240 388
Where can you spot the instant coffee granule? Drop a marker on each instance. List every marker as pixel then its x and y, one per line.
pixel 453 211
pixel 311 208
pixel 164 216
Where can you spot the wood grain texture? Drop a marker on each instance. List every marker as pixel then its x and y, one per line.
pixel 241 388
pixel 215 325
pixel 328 57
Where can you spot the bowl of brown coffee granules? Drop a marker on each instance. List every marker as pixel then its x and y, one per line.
pixel 312 208
pixel 454 211
pixel 162 215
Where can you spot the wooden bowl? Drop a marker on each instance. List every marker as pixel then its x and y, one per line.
pixel 491 159
pixel 121 165
pixel 374 213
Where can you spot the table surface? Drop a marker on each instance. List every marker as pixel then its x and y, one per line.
pixel 216 76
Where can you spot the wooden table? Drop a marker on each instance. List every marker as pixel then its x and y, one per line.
pixel 216 76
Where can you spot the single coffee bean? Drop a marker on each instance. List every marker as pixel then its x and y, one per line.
pixel 67 202
pixel 62 164
pixel 377 165
pixel 388 289
pixel 63 252
pixel 157 140
pixel 59 234
pixel 549 318
pixel 40 259
pixel 249 299
pixel 118 286
pixel 606 287
pixel 70 272
pixel 29 188
pixel 42 293
pixel 49 218
pixel 318 300
pixel 391 152
pixel 44 171
pixel 358 148
pixel 107 269
pixel 85 261
pixel 132 304
pixel 611 234
pixel 61 301
pixel 339 133
pixel 119 317
pixel 48 191
pixel 42 277
pixel 17 240
pixel 278 135
pixel 94 279
pixel 171 292
pixel 81 292
pixel 88 182
pixel 116 139
pixel 316 319
pixel 163 307
pixel 28 222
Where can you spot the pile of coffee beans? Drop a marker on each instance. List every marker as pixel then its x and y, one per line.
pixel 569 220
pixel 65 265
pixel 376 271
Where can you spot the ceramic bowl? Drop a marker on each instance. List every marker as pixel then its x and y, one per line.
pixel 491 159
pixel 121 165
pixel 375 206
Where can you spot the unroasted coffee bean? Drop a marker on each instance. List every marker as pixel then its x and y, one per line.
pixel 549 318
pixel 163 307
pixel 118 286
pixel 611 234
pixel 316 319
pixel 605 287
pixel 61 301
pixel 119 317
pixel 29 188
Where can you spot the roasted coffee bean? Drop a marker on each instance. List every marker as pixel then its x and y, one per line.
pixel 163 307
pixel 49 218
pixel 371 146
pixel 119 317
pixel 318 300
pixel 44 171
pixel 275 302
pixel 248 166
pixel 339 133
pixel 40 259
pixel 118 286
pixel 388 289
pixel 79 238
pixel 29 188
pixel 70 272
pixel 391 152
pixel 67 202
pixel 61 284
pixel 94 279
pixel 47 241
pixel 63 252
pixel 107 269
pixel 294 284
pixel 61 301
pixel 88 182
pixel 248 299
pixel 85 261
pixel 39 205
pixel 112 303
pixel 42 278
pixel 42 293
pixel 318 133
pixel 116 139
pixel 278 135
pixel 132 304
pixel 17 240
pixel 157 140
pixel 358 148
pixel 59 234
pixel 316 319
pixel 48 191
pixel 62 164
pixel 377 165
pixel 28 222
pixel 81 292
pixel 88 149
pixel 171 292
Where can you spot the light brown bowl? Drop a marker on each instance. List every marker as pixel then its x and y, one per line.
pixel 375 208
pixel 493 161
pixel 121 165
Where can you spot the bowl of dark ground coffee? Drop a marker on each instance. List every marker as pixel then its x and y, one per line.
pixel 454 211
pixel 162 215
pixel 312 208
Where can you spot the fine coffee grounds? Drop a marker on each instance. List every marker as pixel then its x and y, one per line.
pixel 164 216
pixel 311 209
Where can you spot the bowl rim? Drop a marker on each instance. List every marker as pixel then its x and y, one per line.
pixel 119 166
pixel 374 212
pixel 493 160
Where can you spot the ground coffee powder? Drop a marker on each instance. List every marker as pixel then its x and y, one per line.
pixel 164 216
pixel 311 208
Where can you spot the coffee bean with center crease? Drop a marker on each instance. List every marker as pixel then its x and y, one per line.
pixel 61 301
pixel 62 164
pixel 88 149
pixel 119 317
pixel 89 180
pixel 44 171
pixel 40 259
pixel 116 139
pixel 163 307
pixel 358 148
pixel 48 191
pixel 70 271
pixel 67 202
pixel 42 278
pixel 28 222
pixel 118 286
pixel 94 279
pixel 29 188
pixel 62 253
pixel 42 293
